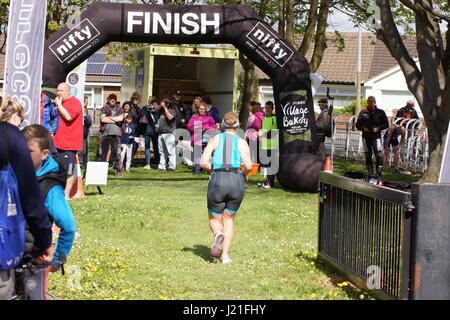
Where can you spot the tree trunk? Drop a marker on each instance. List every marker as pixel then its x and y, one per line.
pixel 250 89
pixel 431 84
pixel 435 99
pixel 311 27
pixel 282 18
pixel 437 132
pixel 289 36
pixel 321 39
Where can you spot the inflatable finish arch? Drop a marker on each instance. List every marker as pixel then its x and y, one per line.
pixel 238 25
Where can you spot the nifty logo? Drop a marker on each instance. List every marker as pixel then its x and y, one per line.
pixel 270 44
pixel 74 40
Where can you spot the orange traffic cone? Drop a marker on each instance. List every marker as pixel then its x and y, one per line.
pixel 328 166
pixel 77 191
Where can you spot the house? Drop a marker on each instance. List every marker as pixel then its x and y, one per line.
pixel 381 76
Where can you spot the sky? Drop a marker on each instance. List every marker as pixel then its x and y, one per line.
pixel 341 22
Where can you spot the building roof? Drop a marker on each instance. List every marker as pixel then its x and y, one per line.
pixel 98 69
pixel 339 66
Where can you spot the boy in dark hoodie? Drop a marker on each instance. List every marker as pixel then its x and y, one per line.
pixel 52 181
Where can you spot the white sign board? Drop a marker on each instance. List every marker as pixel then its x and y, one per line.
pixel 444 175
pixel 96 173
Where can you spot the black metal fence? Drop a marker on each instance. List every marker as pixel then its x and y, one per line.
pixel 365 231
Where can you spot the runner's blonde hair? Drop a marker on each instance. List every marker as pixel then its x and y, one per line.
pixel 231 120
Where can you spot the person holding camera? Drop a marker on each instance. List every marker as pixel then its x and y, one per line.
pixel 151 130
pixel 111 119
pixel 166 140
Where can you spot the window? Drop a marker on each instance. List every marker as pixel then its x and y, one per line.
pixel 266 89
pixel 347 92
pixel 95 97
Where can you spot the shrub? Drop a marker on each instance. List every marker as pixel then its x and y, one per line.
pixel 350 109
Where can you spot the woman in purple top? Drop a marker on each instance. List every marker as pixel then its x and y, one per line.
pixel 198 124
pixel 254 124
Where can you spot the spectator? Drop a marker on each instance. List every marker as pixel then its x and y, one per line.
pixel 166 139
pixel 408 111
pixel 202 120
pixel 255 118
pixel 269 123
pixel 14 150
pixel 51 180
pixel 371 121
pixel 69 138
pixel 323 122
pixel 212 111
pixel 111 118
pixel 126 140
pixel 391 140
pixel 12 112
pixel 127 111
pixel 135 101
pixel 254 124
pixel 151 131
pixel 184 113
pixel 49 114
pixel 87 123
pixel 195 105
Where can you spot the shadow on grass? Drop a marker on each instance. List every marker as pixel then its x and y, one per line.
pixel 335 277
pixel 202 251
pixel 156 179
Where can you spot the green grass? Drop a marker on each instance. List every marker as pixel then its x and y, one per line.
pixel 341 166
pixel 147 237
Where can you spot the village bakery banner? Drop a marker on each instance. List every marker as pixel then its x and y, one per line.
pixel 238 25
pixel 24 52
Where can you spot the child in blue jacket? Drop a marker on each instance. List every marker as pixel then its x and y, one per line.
pixel 52 182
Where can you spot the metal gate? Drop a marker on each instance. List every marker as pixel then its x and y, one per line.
pixel 365 232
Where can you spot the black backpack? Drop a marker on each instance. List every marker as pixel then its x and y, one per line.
pixel 48 181
pixel 328 129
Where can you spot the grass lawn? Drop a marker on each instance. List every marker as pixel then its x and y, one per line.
pixel 147 237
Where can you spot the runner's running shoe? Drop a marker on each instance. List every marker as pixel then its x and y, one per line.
pixel 216 250
pixel 226 260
